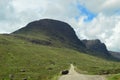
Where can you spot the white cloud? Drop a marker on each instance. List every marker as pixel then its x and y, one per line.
pixel 111 7
pixel 111 3
pixel 102 27
pixel 15 14
pixel 113 41
pixel 46 8
pixel 108 7
pixel 26 11
pixel 8 17
pixel 93 5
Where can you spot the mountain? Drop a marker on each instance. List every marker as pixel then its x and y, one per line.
pixel 53 31
pixel 60 34
pixel 42 49
pixel 115 54
pixel 96 46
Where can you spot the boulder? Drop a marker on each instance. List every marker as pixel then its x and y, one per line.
pixel 64 72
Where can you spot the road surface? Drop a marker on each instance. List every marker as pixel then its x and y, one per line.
pixel 73 75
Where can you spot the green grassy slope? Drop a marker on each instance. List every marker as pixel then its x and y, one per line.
pixel 114 77
pixel 20 59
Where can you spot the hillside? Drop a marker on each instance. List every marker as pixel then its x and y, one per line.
pixel 23 59
pixel 115 54
pixel 60 34
pixel 96 45
pixel 34 53
pixel 52 31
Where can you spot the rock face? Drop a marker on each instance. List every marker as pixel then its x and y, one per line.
pixel 115 54
pixel 95 45
pixel 62 32
pixel 56 30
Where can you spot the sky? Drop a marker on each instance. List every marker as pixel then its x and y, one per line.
pixel 91 19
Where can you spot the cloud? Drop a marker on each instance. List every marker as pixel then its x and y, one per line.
pixel 7 16
pixel 111 3
pixel 111 6
pixel 90 18
pixel 108 7
pixel 4 10
pixel 18 13
pixel 113 41
pixel 102 27
pixel 92 5
pixel 83 11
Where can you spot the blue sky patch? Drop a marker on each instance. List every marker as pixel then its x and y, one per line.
pixel 85 12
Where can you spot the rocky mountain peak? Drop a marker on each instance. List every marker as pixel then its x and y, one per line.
pixel 95 45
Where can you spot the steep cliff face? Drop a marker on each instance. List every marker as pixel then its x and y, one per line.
pixel 95 45
pixel 54 29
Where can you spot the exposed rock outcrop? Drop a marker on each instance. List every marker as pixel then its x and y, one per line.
pixel 95 45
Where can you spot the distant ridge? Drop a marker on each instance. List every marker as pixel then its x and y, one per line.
pixel 61 33
pixel 95 45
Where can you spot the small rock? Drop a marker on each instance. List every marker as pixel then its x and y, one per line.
pixel 22 70
pixel 64 72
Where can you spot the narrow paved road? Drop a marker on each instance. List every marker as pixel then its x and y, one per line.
pixel 73 75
